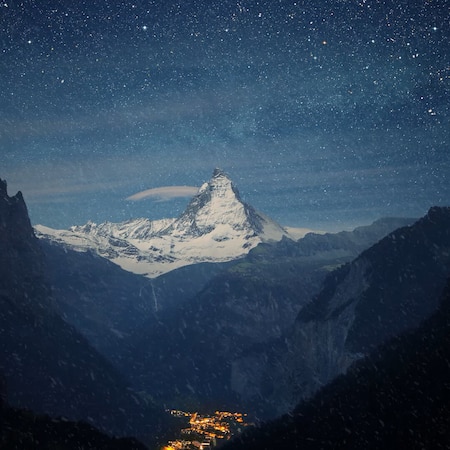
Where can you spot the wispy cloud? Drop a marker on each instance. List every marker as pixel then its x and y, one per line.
pixel 164 193
pixel 186 107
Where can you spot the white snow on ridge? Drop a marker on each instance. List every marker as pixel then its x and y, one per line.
pixel 215 227
pixel 130 229
pixel 299 233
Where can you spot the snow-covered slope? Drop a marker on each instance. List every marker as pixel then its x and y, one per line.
pixel 216 226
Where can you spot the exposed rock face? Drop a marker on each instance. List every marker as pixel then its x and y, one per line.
pixel 390 288
pixel 397 397
pixel 217 206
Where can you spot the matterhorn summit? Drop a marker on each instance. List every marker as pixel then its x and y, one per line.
pixel 218 210
pixel 216 226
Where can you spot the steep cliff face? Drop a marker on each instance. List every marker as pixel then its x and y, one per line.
pixel 397 397
pixel 390 288
pixel 218 208
pixel 21 260
pixel 47 365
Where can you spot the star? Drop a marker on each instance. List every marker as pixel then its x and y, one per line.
pixel 231 85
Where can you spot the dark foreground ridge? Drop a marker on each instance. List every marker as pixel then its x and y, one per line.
pixel 23 430
pixel 47 366
pixel 397 398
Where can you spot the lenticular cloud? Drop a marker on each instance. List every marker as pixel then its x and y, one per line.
pixel 164 193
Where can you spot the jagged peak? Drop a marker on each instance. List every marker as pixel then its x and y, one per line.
pixel 217 203
pixel 18 198
pixel 219 176
pixel 3 188
pixel 221 182
pixel 218 172
pixel 437 212
pixel 14 214
pixel 15 199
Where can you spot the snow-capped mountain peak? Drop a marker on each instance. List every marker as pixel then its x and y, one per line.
pixel 215 226
pixel 218 205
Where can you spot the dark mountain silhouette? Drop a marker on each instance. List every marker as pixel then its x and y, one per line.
pixel 47 365
pixel 338 247
pixel 397 398
pixel 390 288
pixel 23 430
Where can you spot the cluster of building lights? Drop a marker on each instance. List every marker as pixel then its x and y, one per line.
pixel 205 430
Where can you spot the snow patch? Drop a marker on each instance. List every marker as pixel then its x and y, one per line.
pixel 216 226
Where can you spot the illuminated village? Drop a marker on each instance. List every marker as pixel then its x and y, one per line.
pixel 206 431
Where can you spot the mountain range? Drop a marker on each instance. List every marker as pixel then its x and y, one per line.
pixel 389 289
pixel 235 313
pixel 216 226
pixel 250 336
pixel 260 295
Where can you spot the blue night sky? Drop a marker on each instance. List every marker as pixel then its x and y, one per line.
pixel 326 114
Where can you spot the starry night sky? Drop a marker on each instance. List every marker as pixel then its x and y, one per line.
pixel 326 114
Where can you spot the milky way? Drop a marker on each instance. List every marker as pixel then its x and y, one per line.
pixel 326 114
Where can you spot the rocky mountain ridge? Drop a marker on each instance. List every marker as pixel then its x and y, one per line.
pixel 396 397
pixel 389 289
pixel 216 226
